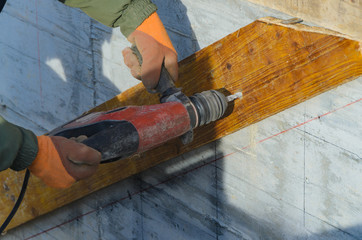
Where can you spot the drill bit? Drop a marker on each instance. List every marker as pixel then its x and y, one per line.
pixel 234 96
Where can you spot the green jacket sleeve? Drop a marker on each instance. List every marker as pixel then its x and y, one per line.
pixel 126 14
pixel 18 146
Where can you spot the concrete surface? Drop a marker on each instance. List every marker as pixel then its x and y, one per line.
pixel 273 180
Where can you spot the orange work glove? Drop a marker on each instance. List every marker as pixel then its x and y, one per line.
pixel 155 46
pixel 60 161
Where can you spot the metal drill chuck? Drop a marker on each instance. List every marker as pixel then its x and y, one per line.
pixel 202 108
pixel 209 105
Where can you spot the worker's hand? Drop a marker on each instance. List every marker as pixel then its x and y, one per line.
pixel 155 46
pixel 60 161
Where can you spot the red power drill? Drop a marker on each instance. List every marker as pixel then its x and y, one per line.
pixel 122 132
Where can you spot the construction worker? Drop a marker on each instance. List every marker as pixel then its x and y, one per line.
pixel 58 161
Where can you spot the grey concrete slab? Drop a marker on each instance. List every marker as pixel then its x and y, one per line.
pixel 38 62
pixel 333 189
pixel 344 127
pixel 52 17
pixel 282 177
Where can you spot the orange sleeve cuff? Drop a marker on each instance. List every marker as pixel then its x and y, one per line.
pixel 153 26
pixel 49 167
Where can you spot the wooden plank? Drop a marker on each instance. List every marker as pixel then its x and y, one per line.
pixel 275 66
pixel 340 15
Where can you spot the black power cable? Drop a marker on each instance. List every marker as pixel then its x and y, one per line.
pixel 20 199
pixel 17 204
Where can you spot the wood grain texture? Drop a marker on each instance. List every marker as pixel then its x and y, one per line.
pixel 274 66
pixel 340 15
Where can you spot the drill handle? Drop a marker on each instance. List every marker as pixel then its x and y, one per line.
pixel 166 85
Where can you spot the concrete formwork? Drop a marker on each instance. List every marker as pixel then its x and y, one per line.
pixel 292 176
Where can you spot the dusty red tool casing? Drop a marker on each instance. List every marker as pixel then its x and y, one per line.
pixel 156 124
pixel 124 131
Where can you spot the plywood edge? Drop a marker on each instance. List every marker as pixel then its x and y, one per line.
pixel 340 15
pixel 306 28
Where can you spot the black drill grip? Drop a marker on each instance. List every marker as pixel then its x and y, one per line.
pixel 165 84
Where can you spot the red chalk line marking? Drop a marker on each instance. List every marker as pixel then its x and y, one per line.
pixel 188 171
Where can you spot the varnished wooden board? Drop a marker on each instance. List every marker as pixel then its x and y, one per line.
pixel 274 66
